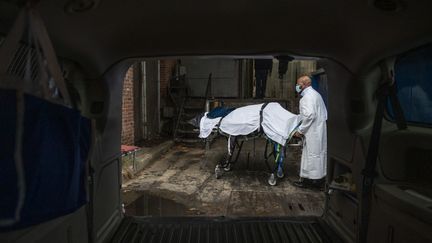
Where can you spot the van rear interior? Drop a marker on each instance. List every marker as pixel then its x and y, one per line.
pixel 357 46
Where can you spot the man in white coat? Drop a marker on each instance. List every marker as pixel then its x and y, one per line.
pixel 313 115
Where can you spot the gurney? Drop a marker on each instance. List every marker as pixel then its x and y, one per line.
pixel 269 120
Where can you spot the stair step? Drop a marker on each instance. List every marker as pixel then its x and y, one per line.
pixel 189 140
pixel 188 116
pixel 178 87
pixel 192 107
pixel 194 131
pixel 186 126
pixel 186 123
pixel 195 102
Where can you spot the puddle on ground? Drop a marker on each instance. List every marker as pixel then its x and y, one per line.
pixel 150 205
pixel 239 204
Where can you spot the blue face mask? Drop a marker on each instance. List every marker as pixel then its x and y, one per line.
pixel 298 88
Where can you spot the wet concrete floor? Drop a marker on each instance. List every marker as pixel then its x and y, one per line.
pixel 149 205
pixel 182 183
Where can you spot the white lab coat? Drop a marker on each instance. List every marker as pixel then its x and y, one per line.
pixel 313 115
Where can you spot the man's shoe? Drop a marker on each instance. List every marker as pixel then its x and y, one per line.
pixel 310 184
pixel 300 184
pixel 317 184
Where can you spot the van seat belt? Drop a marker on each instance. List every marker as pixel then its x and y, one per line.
pixel 387 90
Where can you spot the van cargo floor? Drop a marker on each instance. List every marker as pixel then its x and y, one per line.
pixel 220 229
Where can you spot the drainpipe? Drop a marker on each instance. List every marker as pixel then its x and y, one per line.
pixel 144 100
pixel 158 99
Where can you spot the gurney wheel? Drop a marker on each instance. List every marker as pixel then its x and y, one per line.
pixel 272 180
pixel 228 167
pixel 218 172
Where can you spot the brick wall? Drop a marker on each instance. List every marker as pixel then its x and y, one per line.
pixel 167 68
pixel 128 129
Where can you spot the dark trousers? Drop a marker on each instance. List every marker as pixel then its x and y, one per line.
pixel 261 82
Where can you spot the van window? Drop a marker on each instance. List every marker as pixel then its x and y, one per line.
pixel 413 76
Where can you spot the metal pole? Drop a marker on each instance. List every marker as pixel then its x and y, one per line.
pixel 144 100
pixel 158 98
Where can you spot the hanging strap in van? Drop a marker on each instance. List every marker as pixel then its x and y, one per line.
pixel 387 90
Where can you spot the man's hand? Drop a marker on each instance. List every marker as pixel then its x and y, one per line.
pixel 298 134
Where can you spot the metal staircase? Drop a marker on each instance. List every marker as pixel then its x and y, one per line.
pixel 186 109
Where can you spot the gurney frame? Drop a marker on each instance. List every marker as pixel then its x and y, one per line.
pixel 278 152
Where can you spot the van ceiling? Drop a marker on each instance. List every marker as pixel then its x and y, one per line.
pixel 354 33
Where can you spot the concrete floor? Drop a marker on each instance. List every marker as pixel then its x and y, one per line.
pixel 182 183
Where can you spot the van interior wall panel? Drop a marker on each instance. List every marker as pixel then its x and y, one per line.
pixel 343 207
pixel 69 228
pixel 339 146
pixel 351 36
pixel 107 202
pixel 399 209
pixel 357 109
pixel 410 164
pixel 342 215
pixel 390 223
pixel 106 162
pixel 346 146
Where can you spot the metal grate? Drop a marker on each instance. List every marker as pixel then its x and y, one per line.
pixel 217 230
